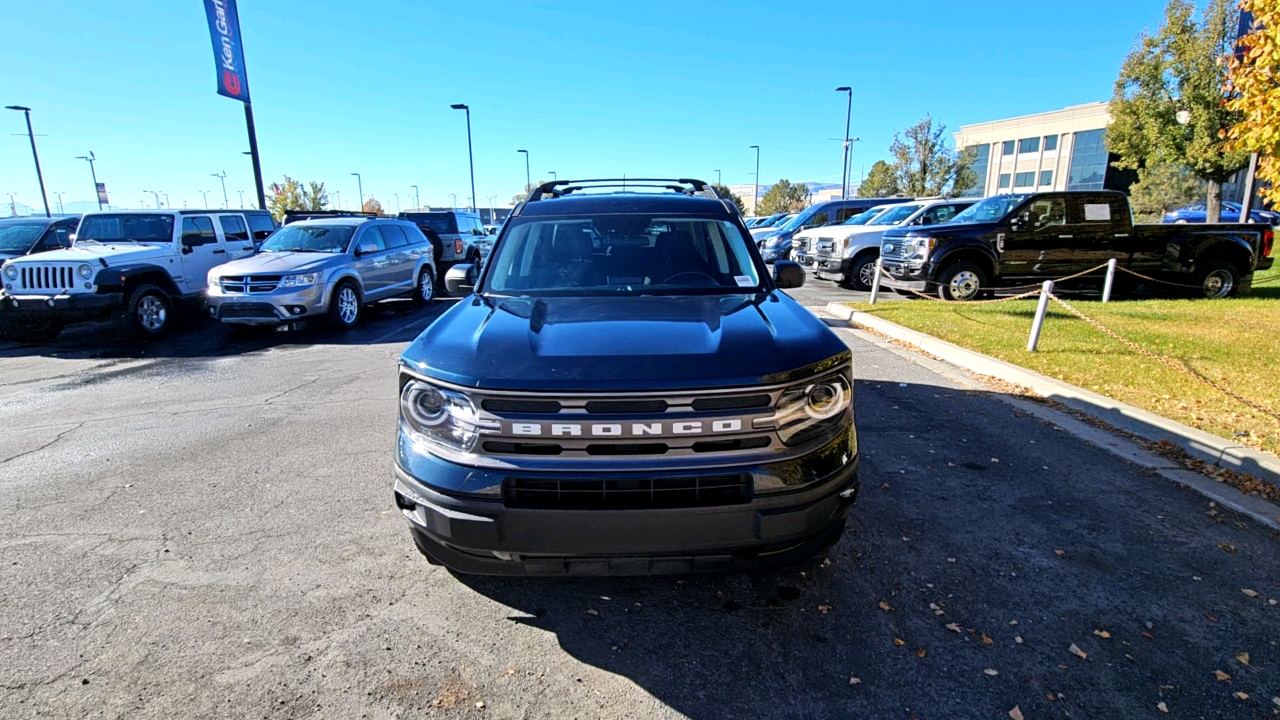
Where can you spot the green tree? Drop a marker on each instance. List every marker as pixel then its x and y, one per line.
pixel 373 206
pixel 724 192
pixel 315 197
pixel 784 197
pixel 926 163
pixel 291 195
pixel 882 181
pixel 1162 187
pixel 1168 104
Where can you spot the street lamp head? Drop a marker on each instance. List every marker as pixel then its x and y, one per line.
pixel 754 147
pixel 844 89
pixel 522 151
pixel 459 106
pixel 17 107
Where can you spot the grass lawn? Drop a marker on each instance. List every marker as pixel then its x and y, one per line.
pixel 1235 342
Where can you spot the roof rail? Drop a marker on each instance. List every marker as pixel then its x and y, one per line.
pixel 560 188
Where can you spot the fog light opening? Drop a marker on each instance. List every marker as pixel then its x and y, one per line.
pixel 296 309
pixel 405 503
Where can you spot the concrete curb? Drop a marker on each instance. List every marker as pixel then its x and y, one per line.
pixel 1202 445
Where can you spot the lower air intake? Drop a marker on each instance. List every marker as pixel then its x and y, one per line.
pixel 626 493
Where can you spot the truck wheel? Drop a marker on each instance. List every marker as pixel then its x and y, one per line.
pixel 862 273
pixel 32 331
pixel 1217 279
pixel 344 306
pixel 425 291
pixel 147 313
pixel 962 281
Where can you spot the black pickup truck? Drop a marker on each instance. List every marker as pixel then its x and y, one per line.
pixel 1022 239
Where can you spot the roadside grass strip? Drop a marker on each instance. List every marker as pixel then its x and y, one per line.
pixel 1234 343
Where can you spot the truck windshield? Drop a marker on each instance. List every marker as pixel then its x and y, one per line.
pixel 865 217
pixel 621 254
pixel 895 215
pixel 125 228
pixel 993 209
pixel 17 238
pixel 310 238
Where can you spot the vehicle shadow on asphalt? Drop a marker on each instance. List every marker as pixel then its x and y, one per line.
pixel 198 336
pixel 986 545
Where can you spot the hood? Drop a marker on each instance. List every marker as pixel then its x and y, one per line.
pixel 6 256
pixel 941 229
pixel 623 344
pixel 764 233
pixel 111 254
pixel 283 262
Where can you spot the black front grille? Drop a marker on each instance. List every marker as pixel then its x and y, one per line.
pixel 246 310
pixel 495 405
pixel 626 493
pixel 738 402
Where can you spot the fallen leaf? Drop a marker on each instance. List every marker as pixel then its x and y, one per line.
pixel 1162 707
pixel 898 642
pixel 1015 713
pixel 1221 676
pixel 1250 593
pixel 1148 635
pixel 824 609
pixel 991 672
pixel 1102 633
pixel 1059 553
pixel 953 627
pixel 1242 658
pixel 1078 652
pixel 1242 695
pixel 885 606
pixel 1226 548
pixel 922 652
pixel 592 611
pixel 855 681
pixel 1050 696
pixel 1211 617
pixel 986 640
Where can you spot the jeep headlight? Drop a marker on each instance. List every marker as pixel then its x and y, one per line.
pixel 300 280
pixel 11 271
pixel 810 408
pixel 440 418
pixel 85 272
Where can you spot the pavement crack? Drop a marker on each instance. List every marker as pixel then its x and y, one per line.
pixel 55 439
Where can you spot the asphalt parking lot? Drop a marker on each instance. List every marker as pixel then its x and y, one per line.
pixel 203 527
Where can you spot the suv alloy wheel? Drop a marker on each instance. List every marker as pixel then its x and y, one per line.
pixel 147 313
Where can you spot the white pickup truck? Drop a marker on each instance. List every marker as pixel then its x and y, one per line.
pixel 131 267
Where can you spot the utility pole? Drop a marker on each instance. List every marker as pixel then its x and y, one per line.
pixel 755 195
pixel 844 160
pixel 470 157
pixel 26 111
pixel 93 173
pixel 223 178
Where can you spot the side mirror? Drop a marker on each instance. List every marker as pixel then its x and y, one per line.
pixel 366 248
pixel 72 237
pixel 788 274
pixel 460 280
pixel 1017 223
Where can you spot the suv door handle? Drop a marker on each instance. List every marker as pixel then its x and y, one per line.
pixel 1066 237
pixel 219 252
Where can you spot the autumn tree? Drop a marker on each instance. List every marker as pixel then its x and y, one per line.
pixel 1256 95
pixel 724 192
pixel 1162 187
pixel 1168 104
pixel 784 197
pixel 290 195
pixel 882 181
pixel 520 196
pixel 925 161
pixel 373 206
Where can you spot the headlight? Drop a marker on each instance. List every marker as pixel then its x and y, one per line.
pixel 11 271
pixel 440 417
pixel 845 244
pixel 85 272
pixel 918 248
pixel 300 280
pixel 808 409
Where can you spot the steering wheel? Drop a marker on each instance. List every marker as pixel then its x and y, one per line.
pixel 696 273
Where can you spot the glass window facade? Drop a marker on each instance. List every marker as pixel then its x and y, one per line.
pixel 1029 145
pixel 981 161
pixel 1088 161
pixel 1008 147
pixel 1050 142
pixel 1025 179
pixel 1004 181
pixel 1046 177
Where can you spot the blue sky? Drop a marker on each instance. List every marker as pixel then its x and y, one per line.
pixel 590 89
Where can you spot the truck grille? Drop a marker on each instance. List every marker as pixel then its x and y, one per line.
pixel 802 245
pixel 46 277
pixel 826 246
pixel 246 310
pixel 249 284
pixel 620 493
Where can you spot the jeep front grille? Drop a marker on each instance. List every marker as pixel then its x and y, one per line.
pixel 33 276
pixel 249 284
pixel 623 493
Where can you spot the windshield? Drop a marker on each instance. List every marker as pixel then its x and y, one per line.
pixel 310 238
pixel 17 238
pixel 125 228
pixel 896 215
pixel 622 254
pixel 990 210
pixel 865 217
pixel 440 223
pixel 795 221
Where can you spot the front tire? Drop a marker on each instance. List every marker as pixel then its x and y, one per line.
pixel 147 313
pixel 425 291
pixel 345 306
pixel 862 273
pixel 962 282
pixel 1218 279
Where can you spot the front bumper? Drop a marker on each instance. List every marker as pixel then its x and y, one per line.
pixel 270 308
pixel 485 536
pixel 830 266
pixel 903 276
pixel 68 308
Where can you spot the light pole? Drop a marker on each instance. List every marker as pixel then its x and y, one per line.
pixel 360 187
pixel 156 193
pixel 60 210
pixel 241 198
pixel 26 111
pixel 527 180
pixel 397 197
pixel 470 158
pixel 454 202
pixel 205 193
pixel 166 199
pixel 337 199
pixel 223 178
pixel 417 204
pixel 844 159
pixel 717 177
pixel 553 175
pixel 94 174
pixel 755 195
pixel 491 199
pixel 13 206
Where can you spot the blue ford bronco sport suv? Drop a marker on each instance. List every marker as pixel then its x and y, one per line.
pixel 625 390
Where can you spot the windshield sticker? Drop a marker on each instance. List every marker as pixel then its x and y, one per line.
pixel 744 281
pixel 1097 212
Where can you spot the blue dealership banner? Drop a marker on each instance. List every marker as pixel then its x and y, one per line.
pixel 228 53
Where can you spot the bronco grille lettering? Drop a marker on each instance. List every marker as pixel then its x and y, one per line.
pixel 633 429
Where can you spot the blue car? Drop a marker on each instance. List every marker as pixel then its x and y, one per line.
pixel 1230 214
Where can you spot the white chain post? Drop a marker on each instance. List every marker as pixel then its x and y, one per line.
pixel 875 284
pixel 1111 279
pixel 1041 308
